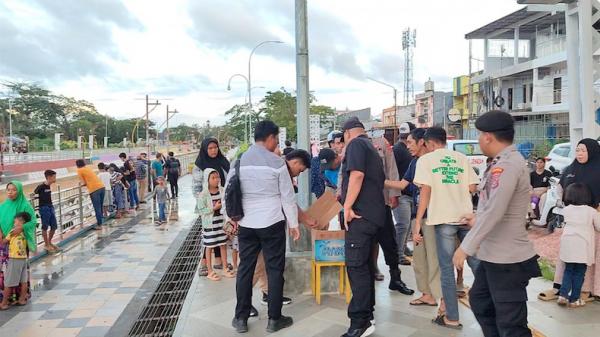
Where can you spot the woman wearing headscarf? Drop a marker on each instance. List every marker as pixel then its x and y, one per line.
pixel 209 157
pixel 585 169
pixel 16 202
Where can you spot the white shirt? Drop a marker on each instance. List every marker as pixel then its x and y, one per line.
pixel 267 192
pixel 105 177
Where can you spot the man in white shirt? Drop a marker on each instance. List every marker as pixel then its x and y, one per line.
pixel 268 199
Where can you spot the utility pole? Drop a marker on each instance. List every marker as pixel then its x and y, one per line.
pixel 168 133
pixel 148 104
pixel 302 111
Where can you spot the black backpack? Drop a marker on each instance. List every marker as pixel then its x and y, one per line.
pixel 233 195
pixel 174 166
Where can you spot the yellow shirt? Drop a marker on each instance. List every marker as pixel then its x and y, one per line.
pixel 91 180
pixel 17 247
pixel 449 175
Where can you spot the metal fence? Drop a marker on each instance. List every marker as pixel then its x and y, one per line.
pixel 31 157
pixel 541 132
pixel 73 207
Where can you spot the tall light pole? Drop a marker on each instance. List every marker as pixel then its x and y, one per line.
pixel 395 97
pixel 10 131
pixel 249 90
pixel 250 75
pixel 169 112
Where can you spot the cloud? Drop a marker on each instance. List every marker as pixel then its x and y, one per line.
pixel 70 38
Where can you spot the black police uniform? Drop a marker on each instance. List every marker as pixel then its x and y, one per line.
pixel 499 240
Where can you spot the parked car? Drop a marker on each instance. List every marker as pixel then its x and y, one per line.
pixel 559 157
pixel 471 149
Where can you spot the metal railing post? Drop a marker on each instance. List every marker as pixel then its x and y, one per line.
pixel 60 213
pixel 80 196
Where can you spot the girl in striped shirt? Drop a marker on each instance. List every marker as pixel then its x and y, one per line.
pixel 213 219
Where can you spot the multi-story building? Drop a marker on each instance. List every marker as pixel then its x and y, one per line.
pixel 431 107
pixel 364 115
pixel 525 73
pixel 402 113
pixel 460 103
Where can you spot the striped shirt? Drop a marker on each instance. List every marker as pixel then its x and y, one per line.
pixel 214 235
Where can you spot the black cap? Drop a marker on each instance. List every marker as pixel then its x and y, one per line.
pixel 327 157
pixel 352 123
pixel 495 120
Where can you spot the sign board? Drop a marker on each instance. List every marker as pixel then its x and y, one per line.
pixel 282 137
pixel 91 142
pixel 454 115
pixel 57 141
pixel 329 250
pixel 314 127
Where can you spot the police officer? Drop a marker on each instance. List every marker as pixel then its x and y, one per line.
pixel 364 211
pixel 498 236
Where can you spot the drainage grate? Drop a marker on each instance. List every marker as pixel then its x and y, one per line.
pixel 159 316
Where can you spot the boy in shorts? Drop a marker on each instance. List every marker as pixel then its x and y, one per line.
pixel 44 193
pixel 16 271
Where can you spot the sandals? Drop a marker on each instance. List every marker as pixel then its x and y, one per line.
pixel 439 320
pixel 214 276
pixel 587 297
pixel 203 271
pixel 419 301
pixel 229 274
pixel 562 301
pixel 548 295
pixel 379 277
pixel 577 304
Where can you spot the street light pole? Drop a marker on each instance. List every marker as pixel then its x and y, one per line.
pixel 10 133
pixel 249 91
pixel 168 134
pixel 395 97
pixel 250 75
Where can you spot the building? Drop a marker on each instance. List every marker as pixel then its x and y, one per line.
pixel 525 73
pixel 431 107
pixel 403 113
pixel 364 115
pixel 463 128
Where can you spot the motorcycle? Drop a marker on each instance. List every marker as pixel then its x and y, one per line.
pixel 551 212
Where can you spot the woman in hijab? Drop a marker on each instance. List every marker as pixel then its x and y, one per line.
pixel 584 169
pixel 16 202
pixel 210 157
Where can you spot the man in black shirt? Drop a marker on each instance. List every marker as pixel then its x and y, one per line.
pixel 129 175
pixel 46 209
pixel 540 182
pixel 173 168
pixel 403 212
pixel 364 210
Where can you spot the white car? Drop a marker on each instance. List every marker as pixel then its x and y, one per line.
pixel 559 157
pixel 471 149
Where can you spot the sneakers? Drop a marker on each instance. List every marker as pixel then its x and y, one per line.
pixel 283 322
pixel 240 325
pixel 562 301
pixel 364 331
pixel 265 300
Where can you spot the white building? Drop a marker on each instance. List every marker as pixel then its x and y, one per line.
pixel 525 72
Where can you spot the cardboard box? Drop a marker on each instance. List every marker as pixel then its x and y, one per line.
pixel 327 245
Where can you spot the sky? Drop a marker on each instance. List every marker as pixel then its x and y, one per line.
pixel 183 52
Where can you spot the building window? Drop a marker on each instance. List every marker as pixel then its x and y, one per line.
pixel 506 48
pixel 510 98
pixel 557 90
pixel 530 92
pixel 524 93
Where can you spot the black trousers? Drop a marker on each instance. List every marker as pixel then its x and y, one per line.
pixel 360 238
pixel 271 240
pixel 386 237
pixel 173 181
pixel 499 298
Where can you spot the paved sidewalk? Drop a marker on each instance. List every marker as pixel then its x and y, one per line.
pixel 84 290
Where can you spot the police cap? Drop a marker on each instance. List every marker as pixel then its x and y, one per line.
pixel 494 121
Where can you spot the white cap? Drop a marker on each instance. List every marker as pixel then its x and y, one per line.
pixel 331 134
pixel 404 128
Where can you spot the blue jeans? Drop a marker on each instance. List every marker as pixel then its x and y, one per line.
pixel 97 201
pixel 402 216
pixel 572 281
pixel 446 236
pixel 162 207
pixel 119 196
pixel 133 194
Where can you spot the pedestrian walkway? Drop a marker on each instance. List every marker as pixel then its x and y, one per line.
pixel 89 287
pixel 100 283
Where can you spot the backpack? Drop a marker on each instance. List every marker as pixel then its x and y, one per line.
pixel 233 195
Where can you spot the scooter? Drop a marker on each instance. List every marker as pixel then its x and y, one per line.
pixel 551 212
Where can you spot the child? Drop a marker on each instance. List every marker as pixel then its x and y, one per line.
pixel 213 235
pixel 162 194
pixel 577 242
pixel 118 189
pixel 47 210
pixel 104 175
pixel 16 271
pixel 232 235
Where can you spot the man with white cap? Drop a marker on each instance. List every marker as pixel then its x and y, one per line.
pixel 404 211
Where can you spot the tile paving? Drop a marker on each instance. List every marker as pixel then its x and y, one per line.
pixel 98 284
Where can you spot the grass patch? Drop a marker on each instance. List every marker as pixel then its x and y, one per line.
pixel 547 268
